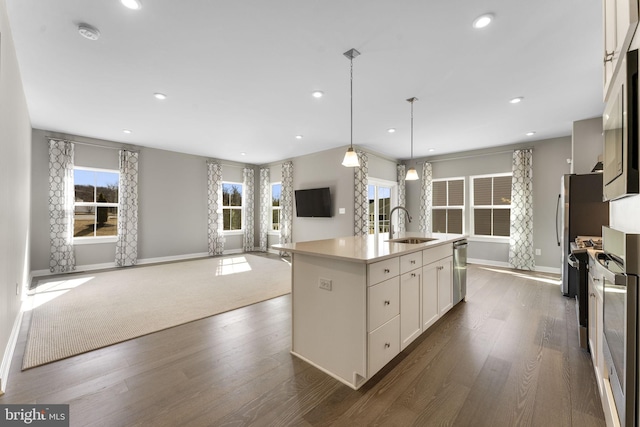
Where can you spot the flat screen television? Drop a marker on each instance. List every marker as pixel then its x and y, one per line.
pixel 313 202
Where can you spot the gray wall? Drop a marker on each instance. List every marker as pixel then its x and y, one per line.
pixel 549 164
pixel 324 169
pixel 15 146
pixel 172 197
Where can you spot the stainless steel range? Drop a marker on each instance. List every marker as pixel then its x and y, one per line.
pixel 620 260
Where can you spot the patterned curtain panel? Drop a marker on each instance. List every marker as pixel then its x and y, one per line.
pixel 214 193
pixel 425 198
pixel 127 243
pixel 521 232
pixel 361 195
pixel 402 199
pixel 286 202
pixel 265 207
pixel 61 198
pixel 248 208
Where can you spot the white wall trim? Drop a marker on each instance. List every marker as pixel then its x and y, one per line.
pixel 110 265
pixel 8 352
pixel 492 263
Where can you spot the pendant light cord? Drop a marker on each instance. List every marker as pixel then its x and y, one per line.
pixel 412 130
pixel 351 143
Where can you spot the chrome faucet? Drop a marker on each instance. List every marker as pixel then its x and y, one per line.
pixel 391 218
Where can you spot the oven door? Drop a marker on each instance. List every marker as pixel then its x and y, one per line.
pixel 619 323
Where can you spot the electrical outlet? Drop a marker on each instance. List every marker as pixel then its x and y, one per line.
pixel 324 284
pixel 538 252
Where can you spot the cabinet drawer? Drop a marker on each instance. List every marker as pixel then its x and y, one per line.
pixel 434 254
pixel 383 270
pixel 410 262
pixel 383 302
pixel 384 345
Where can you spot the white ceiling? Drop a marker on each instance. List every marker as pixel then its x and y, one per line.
pixel 239 74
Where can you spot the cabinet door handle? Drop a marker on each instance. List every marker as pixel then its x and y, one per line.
pixel 387 302
pixel 608 56
pixel 413 261
pixel 413 274
pixel 387 345
pixel 386 270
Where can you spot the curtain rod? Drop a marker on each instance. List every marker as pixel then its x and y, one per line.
pixel 472 156
pixel 91 144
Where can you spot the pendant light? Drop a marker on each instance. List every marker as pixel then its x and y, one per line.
pixel 412 175
pixel 350 157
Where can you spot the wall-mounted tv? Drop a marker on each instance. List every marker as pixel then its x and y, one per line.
pixel 313 202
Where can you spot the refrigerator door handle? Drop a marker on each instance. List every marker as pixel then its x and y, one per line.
pixel 557 212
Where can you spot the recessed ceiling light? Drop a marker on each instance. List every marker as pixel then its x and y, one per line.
pixel 159 95
pixel 298 136
pixel 132 4
pixel 317 94
pixel 482 21
pixel 88 32
pixel 516 100
pixel 391 130
pixel 431 150
pixel 530 133
pixel 243 154
pixel 126 131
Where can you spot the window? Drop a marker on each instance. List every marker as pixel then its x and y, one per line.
pixel 232 206
pixel 447 211
pixel 491 205
pixel 95 210
pixel 276 209
pixel 379 207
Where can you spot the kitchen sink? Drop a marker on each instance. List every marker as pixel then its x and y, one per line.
pixel 412 240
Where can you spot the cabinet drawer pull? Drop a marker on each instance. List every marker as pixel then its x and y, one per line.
pixel 413 261
pixel 608 56
pixel 386 270
pixel 413 274
pixel 387 345
pixel 387 302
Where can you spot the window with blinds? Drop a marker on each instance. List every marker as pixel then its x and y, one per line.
pixel 491 205
pixel 447 213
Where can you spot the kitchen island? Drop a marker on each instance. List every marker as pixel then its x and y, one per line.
pixel 358 301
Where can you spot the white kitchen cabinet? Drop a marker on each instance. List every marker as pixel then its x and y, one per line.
pixel 620 19
pixel 430 312
pixel 357 301
pixel 437 284
pixel 595 324
pixel 445 285
pixel 410 325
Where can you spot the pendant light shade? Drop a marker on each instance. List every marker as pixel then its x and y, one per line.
pixel 350 157
pixel 412 175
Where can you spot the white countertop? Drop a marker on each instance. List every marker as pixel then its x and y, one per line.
pixel 366 249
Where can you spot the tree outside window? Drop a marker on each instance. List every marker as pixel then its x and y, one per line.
pixel 232 206
pixel 276 209
pixel 95 212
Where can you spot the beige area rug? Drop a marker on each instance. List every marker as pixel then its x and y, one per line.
pixel 82 312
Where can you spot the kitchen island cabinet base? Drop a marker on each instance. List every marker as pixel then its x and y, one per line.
pixel 351 317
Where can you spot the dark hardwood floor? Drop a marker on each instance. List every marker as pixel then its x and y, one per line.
pixel 509 356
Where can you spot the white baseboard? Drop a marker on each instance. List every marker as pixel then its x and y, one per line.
pixel 491 263
pixel 8 352
pixel 145 261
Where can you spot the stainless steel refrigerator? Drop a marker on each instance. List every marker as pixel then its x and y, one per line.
pixel 580 212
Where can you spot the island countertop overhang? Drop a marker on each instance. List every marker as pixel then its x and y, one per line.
pixel 367 249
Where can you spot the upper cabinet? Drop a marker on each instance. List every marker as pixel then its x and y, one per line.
pixel 620 22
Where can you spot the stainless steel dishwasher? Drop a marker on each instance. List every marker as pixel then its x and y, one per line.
pixel 459 270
